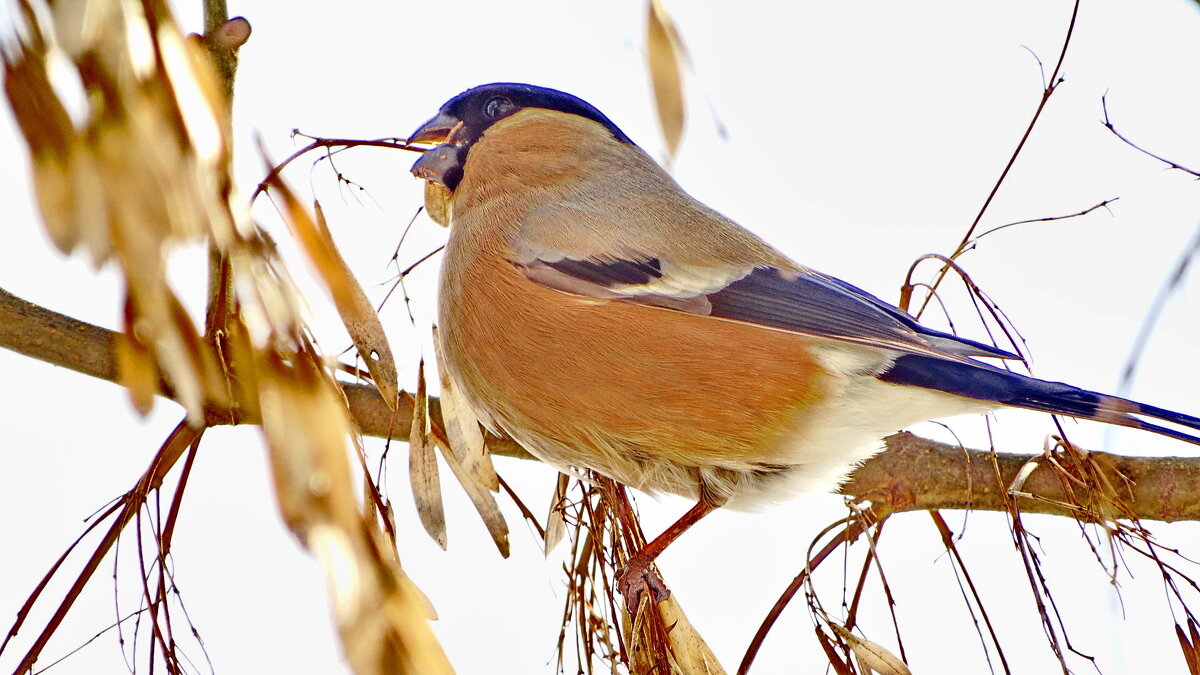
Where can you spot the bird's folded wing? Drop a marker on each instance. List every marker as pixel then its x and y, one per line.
pixel 796 300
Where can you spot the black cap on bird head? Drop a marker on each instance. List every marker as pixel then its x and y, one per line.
pixel 464 119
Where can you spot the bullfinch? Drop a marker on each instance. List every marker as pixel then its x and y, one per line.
pixel 606 320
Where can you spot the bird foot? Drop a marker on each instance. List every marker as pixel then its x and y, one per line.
pixel 637 577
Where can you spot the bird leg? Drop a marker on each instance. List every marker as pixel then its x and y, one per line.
pixel 636 576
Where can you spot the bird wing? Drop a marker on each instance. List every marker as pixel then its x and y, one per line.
pixel 772 296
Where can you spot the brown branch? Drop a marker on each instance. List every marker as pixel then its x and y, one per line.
pixel 919 474
pixel 48 336
pixel 914 473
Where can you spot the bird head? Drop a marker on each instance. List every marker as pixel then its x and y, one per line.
pixel 466 118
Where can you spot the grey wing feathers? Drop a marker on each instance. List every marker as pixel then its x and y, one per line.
pixel 803 302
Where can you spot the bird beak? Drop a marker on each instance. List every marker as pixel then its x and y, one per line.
pixel 437 130
pixel 442 164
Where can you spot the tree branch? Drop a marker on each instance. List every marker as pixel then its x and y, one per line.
pixel 916 473
pixel 913 473
pixel 55 338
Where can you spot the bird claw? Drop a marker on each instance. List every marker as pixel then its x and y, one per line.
pixel 634 579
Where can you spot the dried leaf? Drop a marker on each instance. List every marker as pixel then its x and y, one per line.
pixel 266 295
pixel 359 317
pixel 1189 647
pixel 872 657
pixel 556 524
pixel 144 167
pixel 437 203
pixel 691 653
pixel 86 206
pixel 661 637
pixel 665 56
pixel 42 117
pixel 135 366
pixel 137 373
pixel 478 491
pixel 380 616
pixel 462 429
pixel 243 359
pixel 186 358
pixel 306 427
pixel 422 466
pixel 483 500
pixel 140 169
pixel 386 542
pixel 59 198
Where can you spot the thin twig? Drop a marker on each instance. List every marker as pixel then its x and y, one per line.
pixel 90 640
pixel 1109 125
pixel 170 452
pixel 318 143
pixel 958 564
pixel 974 240
pixel 1047 92
pixel 851 533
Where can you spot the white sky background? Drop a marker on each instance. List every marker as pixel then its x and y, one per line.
pixel 860 136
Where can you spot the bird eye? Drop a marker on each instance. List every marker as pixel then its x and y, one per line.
pixel 497 107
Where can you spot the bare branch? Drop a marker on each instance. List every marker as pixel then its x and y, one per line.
pixel 55 338
pixel 919 474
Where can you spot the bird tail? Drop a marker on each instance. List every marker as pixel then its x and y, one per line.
pixel 983 382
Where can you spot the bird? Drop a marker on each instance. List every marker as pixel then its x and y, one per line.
pixel 606 320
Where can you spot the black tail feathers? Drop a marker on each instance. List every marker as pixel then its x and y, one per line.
pixel 982 382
